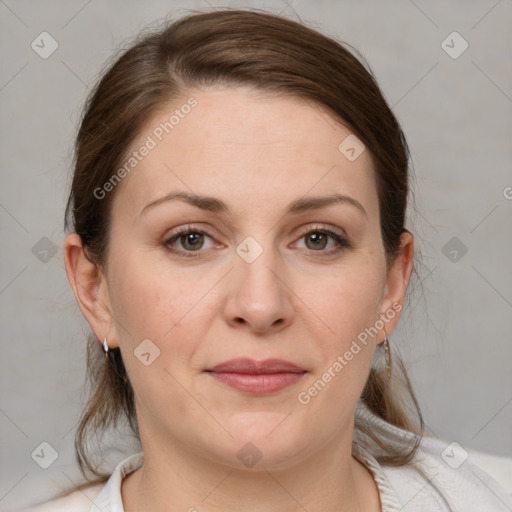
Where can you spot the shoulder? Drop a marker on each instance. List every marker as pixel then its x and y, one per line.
pixel 103 494
pixel 79 500
pixel 500 468
pixel 444 475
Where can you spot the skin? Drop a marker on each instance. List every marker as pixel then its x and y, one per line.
pixel 297 301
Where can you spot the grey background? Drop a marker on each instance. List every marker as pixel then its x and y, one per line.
pixel 456 113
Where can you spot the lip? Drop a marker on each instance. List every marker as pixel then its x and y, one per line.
pixel 253 367
pixel 257 377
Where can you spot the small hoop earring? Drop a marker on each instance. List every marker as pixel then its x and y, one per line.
pixel 105 346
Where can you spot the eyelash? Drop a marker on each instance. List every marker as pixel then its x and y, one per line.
pixel 342 242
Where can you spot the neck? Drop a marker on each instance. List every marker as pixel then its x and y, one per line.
pixel 175 479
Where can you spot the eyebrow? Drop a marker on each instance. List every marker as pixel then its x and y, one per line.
pixel 214 205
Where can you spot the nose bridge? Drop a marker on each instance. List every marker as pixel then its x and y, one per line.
pixel 259 296
pixel 256 267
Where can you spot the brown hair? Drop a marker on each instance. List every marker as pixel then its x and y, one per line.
pixel 233 48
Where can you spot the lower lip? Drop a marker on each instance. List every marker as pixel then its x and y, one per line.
pixel 261 384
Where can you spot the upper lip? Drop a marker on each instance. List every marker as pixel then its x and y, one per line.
pixel 250 366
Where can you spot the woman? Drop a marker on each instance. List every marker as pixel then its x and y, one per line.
pixel 239 249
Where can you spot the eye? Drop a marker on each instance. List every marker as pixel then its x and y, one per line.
pixel 190 240
pixel 317 240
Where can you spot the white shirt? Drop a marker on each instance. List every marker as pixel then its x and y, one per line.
pixel 440 478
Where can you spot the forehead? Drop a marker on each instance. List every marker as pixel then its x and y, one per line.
pixel 246 147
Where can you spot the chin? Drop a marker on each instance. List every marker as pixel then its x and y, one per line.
pixel 262 446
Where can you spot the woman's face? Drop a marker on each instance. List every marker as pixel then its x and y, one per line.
pixel 274 267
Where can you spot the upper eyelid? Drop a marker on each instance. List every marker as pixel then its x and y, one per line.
pixel 301 230
pixel 319 227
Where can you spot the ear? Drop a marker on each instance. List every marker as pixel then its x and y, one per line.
pixel 396 284
pixel 90 289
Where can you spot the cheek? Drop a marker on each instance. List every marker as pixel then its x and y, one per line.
pixel 353 299
pixel 150 304
pixel 146 301
pixel 350 308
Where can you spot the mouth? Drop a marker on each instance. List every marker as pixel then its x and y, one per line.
pixel 257 377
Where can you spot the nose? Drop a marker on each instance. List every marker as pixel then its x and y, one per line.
pixel 259 299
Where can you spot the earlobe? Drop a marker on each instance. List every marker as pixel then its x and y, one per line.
pixel 89 287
